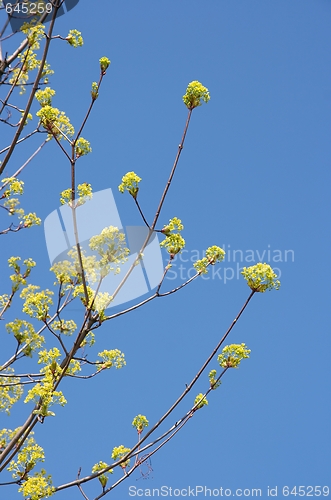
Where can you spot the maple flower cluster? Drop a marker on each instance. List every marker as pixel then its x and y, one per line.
pixel 213 254
pixel 261 277
pixel 130 183
pixel 174 242
pixel 195 94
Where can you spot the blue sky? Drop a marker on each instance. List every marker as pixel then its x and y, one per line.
pixel 254 176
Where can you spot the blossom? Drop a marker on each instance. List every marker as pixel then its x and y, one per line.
pixel 195 94
pixel 232 355
pixel 130 183
pixel 260 277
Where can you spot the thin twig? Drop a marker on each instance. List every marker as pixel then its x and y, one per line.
pixel 88 111
pixel 158 211
pixel 33 91
pixel 21 140
pixel 181 397
pixel 141 212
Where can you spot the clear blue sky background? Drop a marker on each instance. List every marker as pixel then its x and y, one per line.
pixel 254 175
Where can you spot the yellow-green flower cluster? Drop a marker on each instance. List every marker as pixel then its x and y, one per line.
pixel 28 58
pixel 38 486
pixel 90 266
pixel 30 219
pixel 140 422
pixel 96 301
pixel 213 254
pixel 27 459
pixel 44 97
pixel 173 242
pixel 36 303
pixel 84 190
pixel 195 94
pixel 175 224
pixel 111 358
pixel 15 186
pixel 201 266
pixel 232 355
pixel 25 333
pixel 261 277
pixel 66 327
pixel 4 300
pixel 66 273
pixel 105 476
pixel 50 356
pixel 119 452
pixel 104 64
pixel 43 393
pixel 34 33
pixel 11 204
pixel 200 401
pixel 89 340
pixel 80 293
pixel 82 147
pixel 6 435
pixel 95 90
pixel 110 244
pixel 65 196
pixel 102 301
pixel 55 122
pixel 212 379
pixel 19 278
pixel 73 368
pixel 130 183
pixel 75 38
pixel 9 394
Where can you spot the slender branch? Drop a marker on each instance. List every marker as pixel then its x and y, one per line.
pixel 181 397
pixel 179 287
pixel 7 484
pixel 180 148
pixel 155 295
pixel 25 382
pixel 20 351
pixel 79 486
pixel 141 213
pixel 11 90
pixel 7 305
pixel 61 147
pixel 84 377
pixel 3 30
pixel 204 366
pixel 33 91
pixel 26 163
pixel 58 337
pixel 21 140
pixel 24 375
pixel 18 440
pixel 132 308
pixel 88 111
pixel 7 61
pixel 158 211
